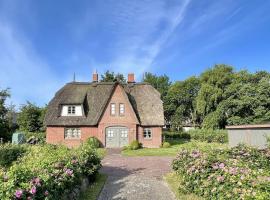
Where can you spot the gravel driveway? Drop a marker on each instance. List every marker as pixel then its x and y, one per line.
pixel 135 178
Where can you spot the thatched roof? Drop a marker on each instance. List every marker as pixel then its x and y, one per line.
pixel 94 97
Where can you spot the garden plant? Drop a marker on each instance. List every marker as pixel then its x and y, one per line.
pixel 238 173
pixel 48 171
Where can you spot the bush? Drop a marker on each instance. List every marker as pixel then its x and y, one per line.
pixel 10 153
pixel 204 135
pixel 40 137
pixel 46 171
pixel 134 145
pixel 209 135
pixel 93 142
pixel 238 173
pixel 166 145
pixel 175 135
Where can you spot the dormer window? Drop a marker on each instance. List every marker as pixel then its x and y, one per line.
pixel 72 110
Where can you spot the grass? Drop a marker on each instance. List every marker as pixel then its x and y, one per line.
pixel 95 188
pixel 173 181
pixel 176 145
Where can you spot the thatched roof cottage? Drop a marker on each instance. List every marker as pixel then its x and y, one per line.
pixel 113 112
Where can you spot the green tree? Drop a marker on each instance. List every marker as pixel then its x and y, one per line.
pixel 214 82
pixel 180 102
pixel 161 83
pixel 4 125
pixel 112 77
pixel 248 98
pixel 30 118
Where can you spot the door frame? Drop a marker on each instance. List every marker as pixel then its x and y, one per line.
pixel 116 126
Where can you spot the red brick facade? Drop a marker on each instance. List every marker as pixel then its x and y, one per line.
pixel 55 135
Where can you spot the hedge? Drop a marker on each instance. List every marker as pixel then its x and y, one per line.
pixel 47 171
pixel 206 135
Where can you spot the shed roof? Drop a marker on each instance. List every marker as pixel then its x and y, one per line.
pixel 249 126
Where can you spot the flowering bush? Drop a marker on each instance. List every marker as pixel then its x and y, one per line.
pixel 238 173
pixel 45 172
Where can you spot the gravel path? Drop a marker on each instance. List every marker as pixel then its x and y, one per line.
pixel 135 178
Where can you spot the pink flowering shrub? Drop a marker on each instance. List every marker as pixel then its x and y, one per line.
pixel 237 173
pixel 47 171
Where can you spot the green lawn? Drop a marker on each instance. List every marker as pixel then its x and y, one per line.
pixel 173 181
pixel 95 188
pixel 176 145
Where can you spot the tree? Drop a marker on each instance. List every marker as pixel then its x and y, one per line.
pixel 112 77
pixel 161 83
pixel 248 98
pixel 31 118
pixel 180 102
pixel 11 118
pixel 214 82
pixel 4 126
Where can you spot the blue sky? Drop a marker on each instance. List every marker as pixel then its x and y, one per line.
pixel 42 43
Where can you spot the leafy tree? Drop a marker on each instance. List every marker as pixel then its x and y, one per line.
pixel 214 82
pixel 112 77
pixel 4 126
pixel 161 83
pixel 248 98
pixel 180 102
pixel 31 118
pixel 11 118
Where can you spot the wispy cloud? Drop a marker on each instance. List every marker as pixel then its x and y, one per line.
pixel 138 30
pixel 22 70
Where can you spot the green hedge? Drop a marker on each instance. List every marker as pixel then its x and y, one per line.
pixel 45 172
pixel 209 135
pixel 206 135
pixel 10 153
pixel 238 173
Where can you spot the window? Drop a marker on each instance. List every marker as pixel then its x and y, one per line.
pixel 71 110
pixel 147 133
pixel 121 109
pixel 124 133
pixel 72 133
pixel 112 108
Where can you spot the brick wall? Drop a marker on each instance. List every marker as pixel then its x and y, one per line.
pixel 55 135
pixel 156 139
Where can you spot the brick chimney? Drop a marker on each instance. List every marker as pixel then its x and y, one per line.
pixel 131 78
pixel 95 76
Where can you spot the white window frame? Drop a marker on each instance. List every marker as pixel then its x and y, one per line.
pixel 147 133
pixel 121 109
pixel 71 110
pixel 113 109
pixel 72 133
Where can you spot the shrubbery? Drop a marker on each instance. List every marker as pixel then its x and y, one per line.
pixel 206 135
pixel 10 153
pixel 209 135
pixel 93 142
pixel 134 145
pixel 238 173
pixel 166 145
pixel 45 172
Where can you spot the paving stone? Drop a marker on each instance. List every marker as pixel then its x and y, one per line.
pixel 135 178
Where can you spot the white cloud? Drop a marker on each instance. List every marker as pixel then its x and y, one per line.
pixel 22 70
pixel 138 30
